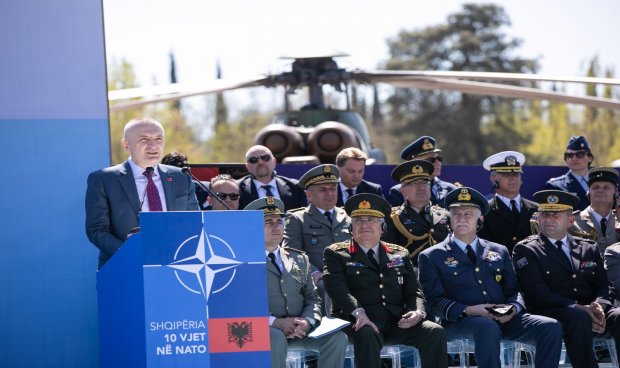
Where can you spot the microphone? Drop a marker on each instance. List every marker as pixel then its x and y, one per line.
pixel 150 170
pixel 188 172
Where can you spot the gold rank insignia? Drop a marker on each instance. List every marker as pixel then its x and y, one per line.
pixel 498 278
pixel 270 201
pixel 364 205
pixel 451 262
pixel 552 199
pixel 427 145
pixel 511 161
pixel 327 169
pixel 417 169
pixel 464 195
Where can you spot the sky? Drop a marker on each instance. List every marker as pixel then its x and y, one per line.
pixel 248 37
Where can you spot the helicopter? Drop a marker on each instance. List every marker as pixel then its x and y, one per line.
pixel 316 132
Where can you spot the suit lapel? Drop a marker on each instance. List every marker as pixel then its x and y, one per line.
pixel 287 262
pixel 128 184
pixel 524 216
pixel 318 216
pixel 285 194
pixel 504 211
pixel 575 186
pixel 456 252
pixel 340 203
pixel 576 254
pixel 554 254
pixel 168 184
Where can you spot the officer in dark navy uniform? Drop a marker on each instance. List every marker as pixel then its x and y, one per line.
pixel 424 148
pixel 470 284
pixel 563 277
pixel 508 220
pixel 578 158
pixel 373 284
pixel 415 224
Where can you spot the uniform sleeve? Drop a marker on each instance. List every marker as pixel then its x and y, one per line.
pixel 510 285
pixel 312 301
pixel 414 297
pixel 98 216
pixel 529 272
pixel 433 288
pixel 602 283
pixel 612 265
pixel 335 282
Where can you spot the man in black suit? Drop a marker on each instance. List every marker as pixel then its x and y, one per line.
pixel 508 220
pixel 563 277
pixel 424 148
pixel 578 158
pixel 351 163
pixel 116 195
pixel 264 182
pixel 373 285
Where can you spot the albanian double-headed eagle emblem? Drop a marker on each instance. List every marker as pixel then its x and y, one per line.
pixel 240 333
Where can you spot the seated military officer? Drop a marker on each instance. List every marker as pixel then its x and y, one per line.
pixel 415 224
pixel 424 148
pixel 373 284
pixel 294 303
pixel 470 284
pixel 563 277
pixel 599 221
pixel 508 220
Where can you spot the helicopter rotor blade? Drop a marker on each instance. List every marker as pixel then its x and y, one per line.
pixel 490 89
pixel 387 75
pixel 172 92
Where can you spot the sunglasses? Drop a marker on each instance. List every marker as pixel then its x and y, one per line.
pixel 232 196
pixel 579 154
pixel 433 159
pixel 254 159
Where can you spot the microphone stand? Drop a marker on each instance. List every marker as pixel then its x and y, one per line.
pixel 188 172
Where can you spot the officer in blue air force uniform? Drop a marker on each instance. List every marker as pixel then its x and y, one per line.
pixel 373 285
pixel 294 303
pixel 563 277
pixel 470 284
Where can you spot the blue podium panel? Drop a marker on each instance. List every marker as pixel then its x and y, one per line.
pixel 203 291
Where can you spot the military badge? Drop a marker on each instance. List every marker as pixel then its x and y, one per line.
pixel 522 262
pixel 498 277
pixel 427 145
pixel 552 199
pixel 271 201
pixel 511 160
pixel 314 240
pixel 493 256
pixel 589 264
pixel 417 169
pixel 364 205
pixel 451 262
pixel 327 169
pixel 464 195
pixel 395 262
pixel 354 264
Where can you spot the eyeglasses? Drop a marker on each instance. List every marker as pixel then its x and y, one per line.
pixel 579 154
pixel 433 159
pixel 232 196
pixel 367 220
pixel 254 159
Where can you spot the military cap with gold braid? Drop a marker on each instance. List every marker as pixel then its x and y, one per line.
pixel 467 196
pixel 412 170
pixel 321 174
pixel 609 174
pixel 555 200
pixel 366 204
pixel 505 162
pixel 269 205
pixel 424 144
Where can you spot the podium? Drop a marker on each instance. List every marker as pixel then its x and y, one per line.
pixel 189 290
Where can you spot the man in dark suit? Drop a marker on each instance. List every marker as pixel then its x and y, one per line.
pixel 262 181
pixel 563 277
pixel 351 163
pixel 373 285
pixel 415 224
pixel 424 148
pixel 294 304
pixel 578 158
pixel 470 284
pixel 116 195
pixel 508 220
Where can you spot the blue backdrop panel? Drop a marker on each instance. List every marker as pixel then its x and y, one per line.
pixel 54 130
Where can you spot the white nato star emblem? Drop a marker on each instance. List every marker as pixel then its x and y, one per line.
pixel 204 264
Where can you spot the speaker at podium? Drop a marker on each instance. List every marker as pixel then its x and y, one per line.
pixel 188 290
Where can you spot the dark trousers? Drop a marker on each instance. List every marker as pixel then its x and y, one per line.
pixel 429 338
pixel 542 332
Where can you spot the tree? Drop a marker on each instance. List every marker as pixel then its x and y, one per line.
pixel 469 127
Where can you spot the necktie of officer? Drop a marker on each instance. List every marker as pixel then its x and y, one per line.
pixel 470 253
pixel 272 257
pixel 513 207
pixel 371 257
pixel 349 193
pixel 152 193
pixel 328 214
pixel 559 244
pixel 267 190
pixel 603 226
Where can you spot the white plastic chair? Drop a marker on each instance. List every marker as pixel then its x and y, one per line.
pixel 297 358
pixel 393 352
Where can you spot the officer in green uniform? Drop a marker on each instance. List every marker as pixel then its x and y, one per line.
pixel 416 224
pixel 294 304
pixel 373 285
pixel 315 227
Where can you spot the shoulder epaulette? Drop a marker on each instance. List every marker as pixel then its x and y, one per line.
pixel 296 209
pixel 289 249
pixel 341 245
pixel 395 246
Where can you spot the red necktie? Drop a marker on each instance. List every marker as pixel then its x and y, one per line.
pixel 152 194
